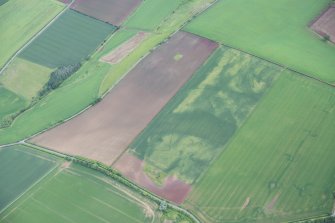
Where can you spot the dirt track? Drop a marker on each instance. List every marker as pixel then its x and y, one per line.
pixel 104 131
pixel 111 11
pixel 325 24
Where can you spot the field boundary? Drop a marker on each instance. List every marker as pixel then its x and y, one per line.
pixel 10 60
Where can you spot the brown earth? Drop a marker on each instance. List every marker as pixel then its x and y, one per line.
pixel 133 168
pixel 111 11
pixel 324 25
pixel 118 54
pixel 104 131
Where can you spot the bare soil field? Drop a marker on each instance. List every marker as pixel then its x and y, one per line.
pixel 111 11
pixel 118 54
pixel 133 168
pixel 324 25
pixel 104 131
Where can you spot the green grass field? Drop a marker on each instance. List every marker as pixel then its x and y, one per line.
pixel 147 17
pixel 69 40
pixel 280 164
pixel 275 30
pixel 10 102
pixel 22 19
pixel 196 125
pixel 25 78
pixel 75 194
pixel 20 168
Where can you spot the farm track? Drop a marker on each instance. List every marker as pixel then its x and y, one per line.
pixel 34 37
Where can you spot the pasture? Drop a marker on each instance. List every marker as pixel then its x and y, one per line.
pixel 22 19
pixel 275 30
pixel 147 17
pixel 197 123
pixel 105 130
pixel 280 164
pixel 111 11
pixel 10 103
pixel 76 194
pixel 25 78
pixel 20 168
pixel 71 39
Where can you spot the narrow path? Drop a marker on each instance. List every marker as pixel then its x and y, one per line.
pixel 34 37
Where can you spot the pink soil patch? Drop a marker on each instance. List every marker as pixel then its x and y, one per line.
pixel 324 25
pixel 104 131
pixel 125 49
pixel 111 11
pixel 173 189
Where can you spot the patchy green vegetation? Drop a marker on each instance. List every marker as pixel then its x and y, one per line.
pixel 148 17
pixel 280 164
pixel 276 30
pixel 195 126
pixel 21 20
pixel 20 168
pixel 76 194
pixel 69 40
pixel 25 78
pixel 9 103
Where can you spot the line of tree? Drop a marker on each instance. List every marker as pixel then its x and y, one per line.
pixel 117 176
pixel 57 77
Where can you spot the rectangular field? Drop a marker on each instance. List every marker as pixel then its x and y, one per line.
pixel 104 131
pixel 196 124
pixel 21 20
pixel 77 194
pixel 25 78
pixel 20 168
pixel 111 11
pixel 325 24
pixel 69 40
pixel 280 164
pixel 275 30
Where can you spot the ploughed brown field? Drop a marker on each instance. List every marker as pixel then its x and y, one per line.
pixel 125 49
pixel 133 168
pixel 104 131
pixel 111 11
pixel 325 24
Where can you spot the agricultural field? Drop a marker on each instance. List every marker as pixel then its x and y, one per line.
pixel 276 30
pixel 147 17
pixel 20 169
pixel 71 39
pixel 74 193
pixel 324 25
pixel 25 78
pixel 195 126
pixel 9 103
pixel 76 93
pixel 22 19
pixel 111 11
pixel 279 166
pixel 104 131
